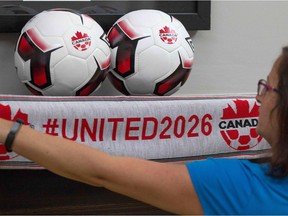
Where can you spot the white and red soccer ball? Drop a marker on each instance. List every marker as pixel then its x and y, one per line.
pixel 152 53
pixel 62 52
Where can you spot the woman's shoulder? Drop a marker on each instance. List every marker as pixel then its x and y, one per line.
pixel 228 166
pixel 253 171
pixel 223 162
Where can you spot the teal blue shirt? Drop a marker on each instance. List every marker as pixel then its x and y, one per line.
pixel 233 186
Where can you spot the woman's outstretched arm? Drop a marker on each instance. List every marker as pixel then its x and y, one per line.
pixel 166 186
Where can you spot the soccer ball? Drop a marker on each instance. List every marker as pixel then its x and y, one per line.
pixel 152 53
pixel 62 53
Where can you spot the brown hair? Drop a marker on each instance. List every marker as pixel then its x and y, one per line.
pixel 279 160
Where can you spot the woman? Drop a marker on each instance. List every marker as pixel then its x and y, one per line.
pixel 213 186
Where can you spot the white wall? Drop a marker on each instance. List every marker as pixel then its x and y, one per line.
pixel 244 40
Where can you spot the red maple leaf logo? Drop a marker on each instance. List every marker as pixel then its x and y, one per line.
pixel 81 41
pixel 238 127
pixel 79 35
pixel 242 110
pixel 6 113
pixel 166 29
pixel 167 35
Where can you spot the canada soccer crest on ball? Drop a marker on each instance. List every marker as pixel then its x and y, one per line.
pixel 168 35
pixel 81 41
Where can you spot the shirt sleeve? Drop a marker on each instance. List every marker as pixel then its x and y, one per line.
pixel 222 185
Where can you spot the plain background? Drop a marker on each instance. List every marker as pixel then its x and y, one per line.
pixel 245 39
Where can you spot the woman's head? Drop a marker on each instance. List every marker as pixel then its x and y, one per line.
pixel 273 113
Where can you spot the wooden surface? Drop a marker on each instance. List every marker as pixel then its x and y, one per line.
pixel 42 192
